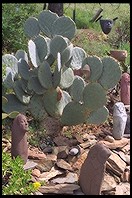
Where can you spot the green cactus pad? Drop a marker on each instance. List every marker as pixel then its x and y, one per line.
pixel 13 104
pixel 55 100
pixel 33 72
pixel 9 78
pixel 50 59
pixel 23 69
pixel 24 84
pixel 76 89
pixel 66 98
pixel 73 114
pixel 57 44
pixel 45 75
pixel 98 117
pixel 67 77
pixel 21 54
pixel 64 26
pixel 8 60
pixel 41 47
pixel 95 65
pixel 111 73
pixel 94 96
pixel 4 100
pixel 21 95
pixel 31 27
pixel 78 55
pixel 36 107
pixel 33 53
pixel 66 54
pixel 34 84
pixel 46 19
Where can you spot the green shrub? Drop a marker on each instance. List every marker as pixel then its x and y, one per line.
pixel 13 17
pixel 15 180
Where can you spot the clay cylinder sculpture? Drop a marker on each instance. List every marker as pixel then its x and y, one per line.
pixel 19 146
pixel 93 169
pixel 125 89
pixel 119 120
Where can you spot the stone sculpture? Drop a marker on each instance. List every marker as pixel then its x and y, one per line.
pixel 19 146
pixel 119 120
pixel 125 89
pixel 92 171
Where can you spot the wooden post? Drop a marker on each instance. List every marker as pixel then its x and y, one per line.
pixel 96 15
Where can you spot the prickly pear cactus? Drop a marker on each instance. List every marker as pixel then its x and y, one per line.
pixel 50 87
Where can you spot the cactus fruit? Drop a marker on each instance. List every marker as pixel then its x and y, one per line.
pixel 52 87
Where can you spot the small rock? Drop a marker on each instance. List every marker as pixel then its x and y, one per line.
pixel 29 165
pixel 126 149
pixel 51 157
pixel 78 192
pixel 125 177
pixel 109 183
pixel 74 151
pixel 123 156
pixel 62 155
pixel 62 152
pixel 37 193
pixel 36 172
pixel 43 145
pixel 35 154
pixel 80 160
pixel 46 176
pixel 79 138
pixel 109 138
pixel 123 189
pixel 59 189
pixel 5 140
pixel 62 141
pixel 69 178
pixel 44 165
pixel 33 179
pixel 48 149
pixel 88 143
pixel 63 164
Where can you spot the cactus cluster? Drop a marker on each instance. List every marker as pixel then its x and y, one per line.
pixel 43 81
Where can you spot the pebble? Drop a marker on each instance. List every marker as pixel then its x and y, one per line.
pixel 109 138
pixel 74 151
pixel 36 172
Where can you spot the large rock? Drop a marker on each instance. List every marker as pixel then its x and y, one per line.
pixel 116 144
pixel 109 183
pixel 59 189
pixel 92 171
pixel 115 164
